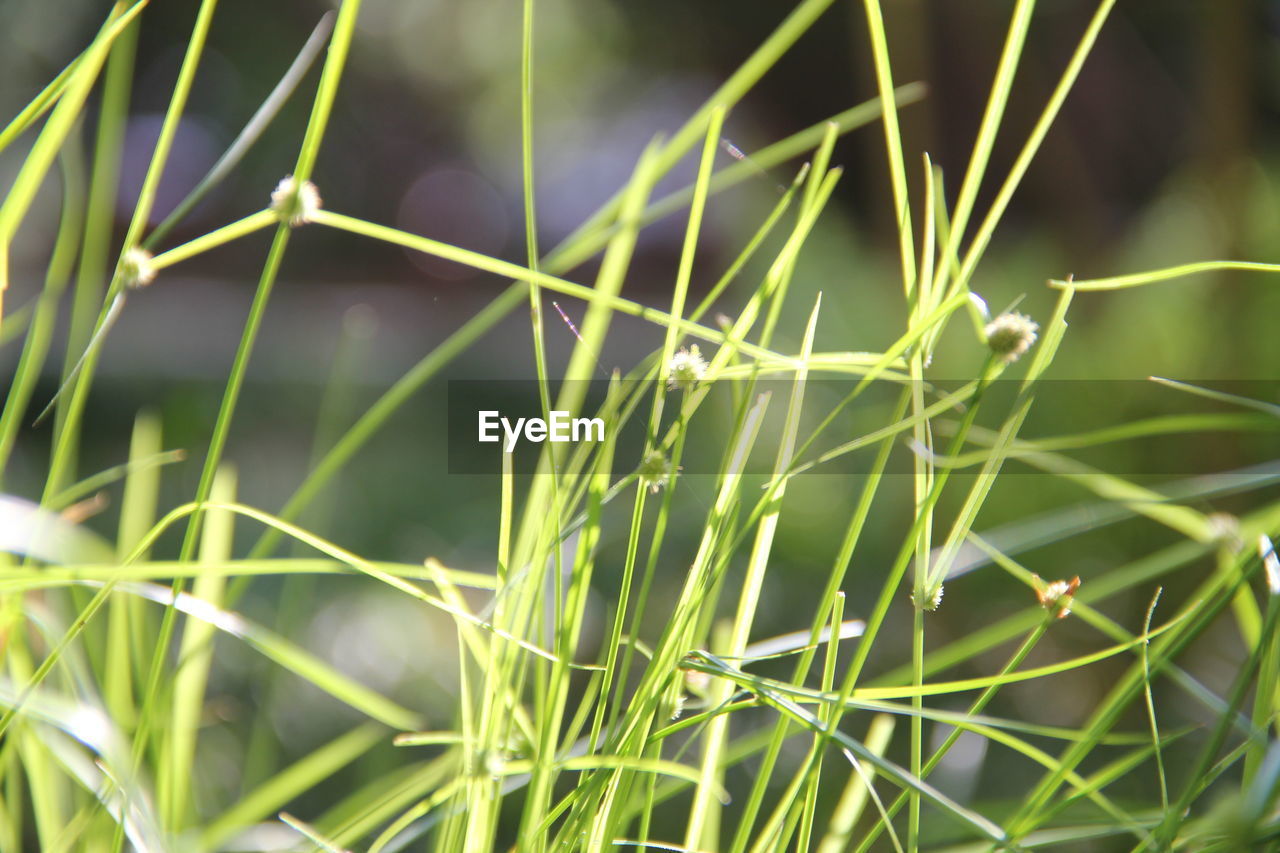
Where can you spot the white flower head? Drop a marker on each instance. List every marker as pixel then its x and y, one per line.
pixel 1010 335
pixel 295 203
pixel 686 369
pixel 136 268
pixel 655 471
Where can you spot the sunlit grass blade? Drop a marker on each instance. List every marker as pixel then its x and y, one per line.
pixel 1119 282
pixel 311 834
pixel 90 351
pixel 893 144
pixel 748 604
pixel 195 659
pixel 293 658
pixel 35 348
pixel 997 100
pixel 961 274
pixel 60 123
pixel 306 773
pixel 1221 396
pixel 94 272
pixel 858 789
pixel 973 821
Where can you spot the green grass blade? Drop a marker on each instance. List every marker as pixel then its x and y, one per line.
pixel 302 775
pixel 250 133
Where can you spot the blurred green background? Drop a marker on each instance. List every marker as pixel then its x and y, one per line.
pixel 1167 151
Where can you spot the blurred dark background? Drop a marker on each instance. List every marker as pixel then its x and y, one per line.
pixel 1167 151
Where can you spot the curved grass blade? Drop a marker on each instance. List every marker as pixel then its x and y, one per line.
pixel 1119 282
pixel 311 834
pixel 80 722
pixel 99 336
pixel 250 133
pixel 363 566
pixel 17 579
pixel 29 530
pixel 1059 524
pixel 217 237
pixel 1221 396
pixel 90 485
pixel 61 121
pixel 935 688
pixel 774 699
pixel 293 658
pixel 35 347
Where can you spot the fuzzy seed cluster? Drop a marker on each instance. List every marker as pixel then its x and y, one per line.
pixel 1010 335
pixel 295 203
pixel 136 269
pixel 686 369
pixel 655 471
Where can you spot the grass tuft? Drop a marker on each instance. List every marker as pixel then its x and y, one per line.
pixel 658 719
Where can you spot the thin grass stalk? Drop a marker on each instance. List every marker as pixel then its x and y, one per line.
pixel 35 348
pixel 726 96
pixel 656 686
pixel 1011 665
pixel 1209 600
pixel 893 145
pixel 343 33
pixel 249 134
pixel 62 120
pixel 843 559
pixel 531 548
pixel 93 272
pixel 195 659
pixel 1019 24
pixel 125 617
pixel 1175 815
pixel 982 237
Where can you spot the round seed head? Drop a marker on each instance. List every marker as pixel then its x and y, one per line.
pixel 136 268
pixel 655 471
pixel 1010 335
pixel 295 203
pixel 687 368
pixel 929 602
